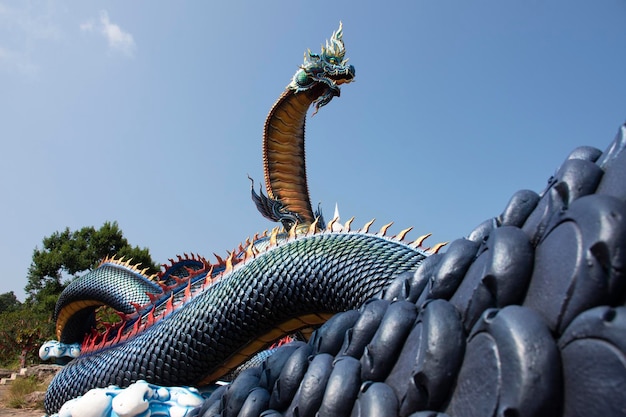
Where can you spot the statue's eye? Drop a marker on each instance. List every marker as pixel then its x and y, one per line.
pixel 332 60
pixel 302 78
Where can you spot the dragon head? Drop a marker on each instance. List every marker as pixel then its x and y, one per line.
pixel 329 67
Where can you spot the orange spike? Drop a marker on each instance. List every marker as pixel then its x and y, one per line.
pixel 367 226
pixel 418 242
pixel 105 335
pixel 136 326
pixel 312 227
pixel 169 306
pixel 383 230
pixel 438 247
pixel 293 231
pixel 331 223
pixel 153 297
pixel 136 306
pixel 229 263
pixel 220 261
pixel 95 336
pixel 250 251
pixel 208 279
pixel 274 237
pixel 123 316
pixel 117 338
pixel 188 291
pixel 150 318
pixel 346 227
pixel 403 233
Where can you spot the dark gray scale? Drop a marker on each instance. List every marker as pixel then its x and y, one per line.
pixel 516 212
pixel 483 230
pixel 580 261
pixel 329 337
pixel 272 366
pixel 407 286
pixel 237 392
pixel 212 405
pixel 290 377
pixel 511 368
pixel 593 351
pixel 450 270
pixel 309 396
pixel 586 153
pixel 212 410
pixel 256 402
pixel 424 275
pixel 613 162
pixel 518 208
pixel 357 337
pixel 270 413
pixel 498 277
pixel 381 353
pixel 574 179
pixel 342 388
pixel 376 399
pixel 428 414
pixel 430 359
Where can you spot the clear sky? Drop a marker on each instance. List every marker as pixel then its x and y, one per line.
pixel 150 113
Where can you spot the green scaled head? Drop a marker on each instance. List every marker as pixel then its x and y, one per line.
pixel 330 67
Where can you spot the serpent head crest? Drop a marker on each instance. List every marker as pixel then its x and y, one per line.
pixel 329 67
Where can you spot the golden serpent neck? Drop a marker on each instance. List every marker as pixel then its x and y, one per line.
pixel 284 154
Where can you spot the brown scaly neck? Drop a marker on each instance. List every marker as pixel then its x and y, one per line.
pixel 284 154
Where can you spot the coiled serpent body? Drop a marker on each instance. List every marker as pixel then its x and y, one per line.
pixel 285 287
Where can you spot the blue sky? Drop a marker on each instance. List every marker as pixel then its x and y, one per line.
pixel 151 113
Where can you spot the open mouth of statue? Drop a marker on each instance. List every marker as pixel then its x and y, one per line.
pixel 342 75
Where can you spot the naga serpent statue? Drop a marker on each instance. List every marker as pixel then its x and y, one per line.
pixel 523 317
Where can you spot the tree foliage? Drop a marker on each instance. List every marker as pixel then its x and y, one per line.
pixel 66 255
pixel 22 332
pixel 8 302
pixel 63 256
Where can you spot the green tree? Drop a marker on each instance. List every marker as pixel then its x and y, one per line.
pixel 64 256
pixel 8 302
pixel 68 254
pixel 22 332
